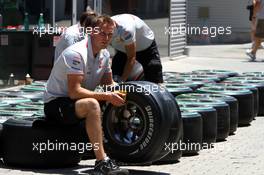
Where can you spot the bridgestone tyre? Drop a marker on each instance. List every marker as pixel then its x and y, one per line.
pixel 209 117
pixel 245 101
pixel 231 101
pixel 174 155
pixel 223 115
pixel 183 82
pixel 177 90
pixel 137 132
pixel 192 133
pixel 23 140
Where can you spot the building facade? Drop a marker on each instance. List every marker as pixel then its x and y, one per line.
pixel 224 14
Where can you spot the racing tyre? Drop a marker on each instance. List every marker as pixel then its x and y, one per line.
pixel 35 143
pixel 245 101
pixel 209 117
pixel 192 133
pixel 138 131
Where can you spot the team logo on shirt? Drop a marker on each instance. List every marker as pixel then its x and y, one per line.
pixel 127 35
pixel 76 62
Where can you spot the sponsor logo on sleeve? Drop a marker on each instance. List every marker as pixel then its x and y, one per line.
pixel 127 35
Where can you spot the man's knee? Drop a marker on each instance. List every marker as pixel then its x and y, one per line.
pixel 87 106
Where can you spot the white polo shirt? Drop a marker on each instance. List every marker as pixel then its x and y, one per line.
pixel 72 35
pixel 131 29
pixel 77 59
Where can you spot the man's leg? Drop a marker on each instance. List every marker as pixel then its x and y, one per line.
pixel 118 63
pixel 89 109
pixel 150 60
pixel 253 31
pixel 256 45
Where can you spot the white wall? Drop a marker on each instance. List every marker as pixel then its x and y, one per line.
pixel 222 13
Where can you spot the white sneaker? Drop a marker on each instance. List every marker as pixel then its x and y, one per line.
pixel 251 55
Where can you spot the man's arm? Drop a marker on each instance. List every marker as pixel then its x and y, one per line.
pixel 131 59
pixel 75 91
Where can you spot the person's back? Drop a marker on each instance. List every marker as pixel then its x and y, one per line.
pixel 140 31
pixel 71 36
pixel 75 33
pixel 134 41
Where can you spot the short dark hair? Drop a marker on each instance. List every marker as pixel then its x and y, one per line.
pixel 104 19
pixel 88 19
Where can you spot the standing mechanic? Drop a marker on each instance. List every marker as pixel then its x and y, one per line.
pixel 75 33
pixel 69 96
pixel 134 40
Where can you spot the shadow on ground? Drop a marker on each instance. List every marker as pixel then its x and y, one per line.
pixel 77 170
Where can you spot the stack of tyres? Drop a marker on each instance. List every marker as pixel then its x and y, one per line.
pixel 33 88
pixel 35 143
pixel 13 100
pixel 33 96
pixel 203 78
pixel 241 86
pixel 223 114
pixel 208 73
pixel 253 74
pixel 176 90
pixel 254 81
pixel 183 82
pixel 209 117
pixel 231 101
pixel 244 98
pixel 167 76
pixel 219 72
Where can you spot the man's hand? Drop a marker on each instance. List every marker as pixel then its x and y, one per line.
pixel 116 98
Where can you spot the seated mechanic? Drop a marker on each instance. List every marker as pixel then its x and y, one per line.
pixel 69 97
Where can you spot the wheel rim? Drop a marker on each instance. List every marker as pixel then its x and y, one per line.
pixel 127 124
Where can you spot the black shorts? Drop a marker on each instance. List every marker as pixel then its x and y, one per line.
pixel 61 111
pixel 149 59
